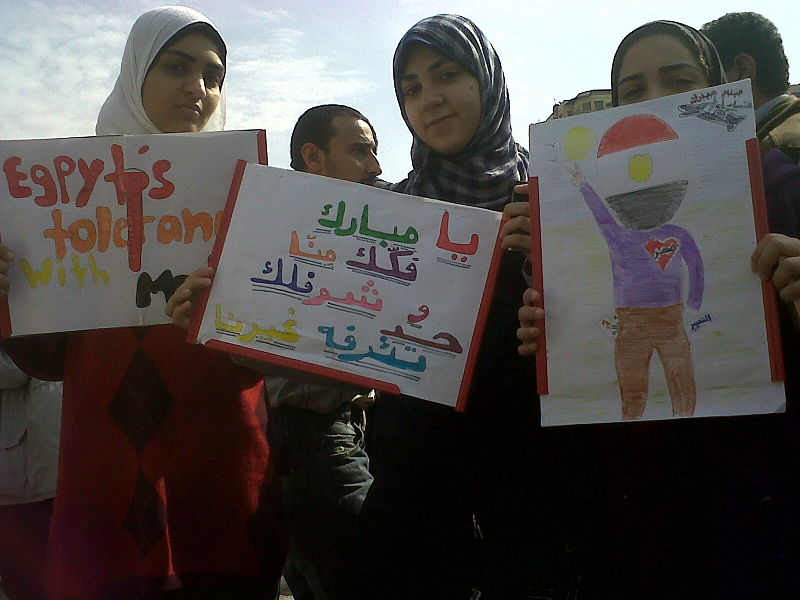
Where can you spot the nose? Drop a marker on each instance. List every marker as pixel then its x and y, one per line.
pixel 654 91
pixel 431 98
pixel 373 165
pixel 196 86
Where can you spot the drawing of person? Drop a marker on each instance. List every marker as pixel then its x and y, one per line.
pixel 646 258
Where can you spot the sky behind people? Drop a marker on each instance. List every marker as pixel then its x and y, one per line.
pixel 288 55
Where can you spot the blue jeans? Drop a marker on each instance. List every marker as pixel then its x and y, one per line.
pixel 325 477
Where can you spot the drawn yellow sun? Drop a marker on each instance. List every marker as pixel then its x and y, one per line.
pixel 578 142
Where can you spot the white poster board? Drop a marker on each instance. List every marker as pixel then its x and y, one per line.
pixel 105 228
pixel 351 281
pixel 647 224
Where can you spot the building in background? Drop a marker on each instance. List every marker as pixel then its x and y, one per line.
pixel 585 102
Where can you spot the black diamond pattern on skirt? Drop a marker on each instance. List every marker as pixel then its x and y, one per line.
pixel 142 402
pixel 146 518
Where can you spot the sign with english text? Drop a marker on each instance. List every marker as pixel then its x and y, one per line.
pixel 353 282
pixel 104 229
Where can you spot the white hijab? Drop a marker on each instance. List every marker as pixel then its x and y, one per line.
pixel 123 112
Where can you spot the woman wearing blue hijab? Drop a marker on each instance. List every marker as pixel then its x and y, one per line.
pixel 419 520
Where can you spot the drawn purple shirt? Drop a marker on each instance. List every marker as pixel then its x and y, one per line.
pixel 646 264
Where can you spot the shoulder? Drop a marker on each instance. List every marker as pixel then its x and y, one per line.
pixel 783 130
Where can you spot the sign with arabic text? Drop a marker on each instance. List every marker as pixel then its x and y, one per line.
pixel 351 281
pixel 105 228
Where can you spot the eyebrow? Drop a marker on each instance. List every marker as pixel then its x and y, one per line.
pixel 664 69
pixel 370 145
pixel 193 59
pixel 433 67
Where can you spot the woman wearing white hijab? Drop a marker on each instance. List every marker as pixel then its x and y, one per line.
pixel 163 458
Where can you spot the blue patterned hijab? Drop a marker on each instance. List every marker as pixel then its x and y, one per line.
pixel 485 171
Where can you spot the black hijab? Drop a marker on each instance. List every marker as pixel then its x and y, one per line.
pixel 485 171
pixel 696 42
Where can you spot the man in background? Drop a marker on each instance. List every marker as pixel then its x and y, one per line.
pixel 317 430
pixel 754 460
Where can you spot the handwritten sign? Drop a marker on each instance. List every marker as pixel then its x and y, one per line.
pixel 647 224
pixel 106 228
pixel 351 281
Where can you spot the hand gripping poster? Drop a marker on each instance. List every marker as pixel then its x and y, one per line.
pixel 352 282
pixel 104 229
pixel 648 215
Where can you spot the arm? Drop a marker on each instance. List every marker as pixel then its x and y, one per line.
pixel 40 356
pixel 11 376
pixel 694 261
pixel 604 218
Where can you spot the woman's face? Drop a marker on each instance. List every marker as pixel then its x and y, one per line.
pixel 658 65
pixel 442 100
pixel 182 89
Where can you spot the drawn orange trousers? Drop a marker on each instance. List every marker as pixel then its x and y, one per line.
pixel 642 330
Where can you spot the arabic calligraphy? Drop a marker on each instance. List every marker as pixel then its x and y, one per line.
pixel 348 344
pixel 234 326
pixel 451 345
pixel 294 249
pixel 706 106
pixel 445 243
pixel 410 236
pixel 278 278
pixel 324 296
pixel 424 311
pixel 407 273
pixel 701 321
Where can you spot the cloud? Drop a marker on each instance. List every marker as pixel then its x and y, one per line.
pixel 64 58
pixel 275 80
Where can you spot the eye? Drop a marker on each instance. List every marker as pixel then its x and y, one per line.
pixel 631 94
pixel 175 67
pixel 683 82
pixel 212 79
pixel 448 75
pixel 411 89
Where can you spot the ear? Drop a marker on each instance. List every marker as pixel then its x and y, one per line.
pixel 314 158
pixel 743 66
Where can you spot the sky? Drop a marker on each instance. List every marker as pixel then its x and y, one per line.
pixel 61 57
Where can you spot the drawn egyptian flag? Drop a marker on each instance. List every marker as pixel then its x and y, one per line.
pixel 642 171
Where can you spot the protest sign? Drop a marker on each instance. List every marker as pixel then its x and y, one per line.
pixel 648 215
pixel 106 228
pixel 350 281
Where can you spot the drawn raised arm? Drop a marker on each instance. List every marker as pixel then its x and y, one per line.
pixel 577 175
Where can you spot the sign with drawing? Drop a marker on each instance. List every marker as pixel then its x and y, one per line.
pixel 646 227
pixel 106 228
pixel 351 281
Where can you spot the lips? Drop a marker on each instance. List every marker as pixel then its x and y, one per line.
pixel 190 111
pixel 438 121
